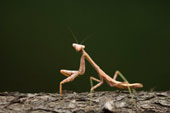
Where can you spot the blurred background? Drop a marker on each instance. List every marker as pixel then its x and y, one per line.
pixel 130 36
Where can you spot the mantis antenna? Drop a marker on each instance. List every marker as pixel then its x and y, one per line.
pixel 87 37
pixel 74 36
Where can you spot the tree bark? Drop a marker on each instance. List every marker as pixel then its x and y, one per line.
pixel 71 102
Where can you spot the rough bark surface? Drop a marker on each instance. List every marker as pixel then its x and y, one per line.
pixel 71 102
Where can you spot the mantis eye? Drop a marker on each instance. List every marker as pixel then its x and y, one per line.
pixel 83 46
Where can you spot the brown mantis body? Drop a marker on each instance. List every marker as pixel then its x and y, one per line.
pixel 71 75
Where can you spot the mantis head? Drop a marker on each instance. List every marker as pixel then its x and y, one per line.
pixel 78 47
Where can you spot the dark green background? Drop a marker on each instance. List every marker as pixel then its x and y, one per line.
pixel 130 36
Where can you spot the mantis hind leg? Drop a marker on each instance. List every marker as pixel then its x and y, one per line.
pixel 116 74
pixel 122 77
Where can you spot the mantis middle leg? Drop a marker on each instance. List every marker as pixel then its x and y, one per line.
pixel 97 85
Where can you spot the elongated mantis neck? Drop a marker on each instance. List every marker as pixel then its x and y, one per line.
pixel 94 65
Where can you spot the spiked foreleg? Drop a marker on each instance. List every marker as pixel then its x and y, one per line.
pixel 71 75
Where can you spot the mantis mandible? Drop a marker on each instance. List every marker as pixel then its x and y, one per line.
pixel 72 74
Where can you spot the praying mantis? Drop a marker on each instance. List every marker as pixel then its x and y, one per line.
pixel 72 74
